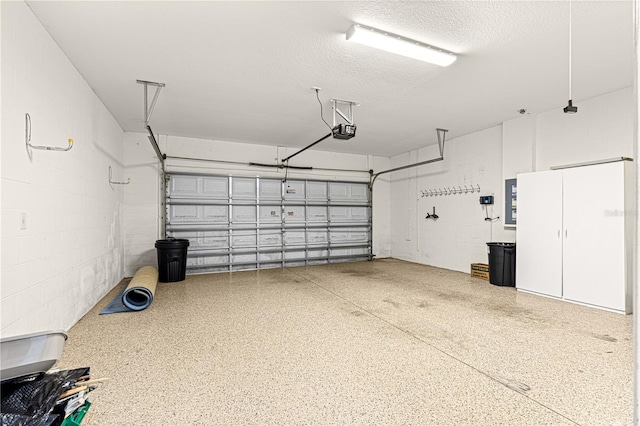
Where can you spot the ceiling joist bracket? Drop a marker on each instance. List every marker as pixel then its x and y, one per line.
pixel 336 104
pixel 148 109
pixel 441 135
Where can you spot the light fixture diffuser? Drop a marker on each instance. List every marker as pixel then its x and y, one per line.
pixel 399 45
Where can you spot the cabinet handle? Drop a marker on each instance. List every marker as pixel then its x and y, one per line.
pixel 566 233
pixel 558 233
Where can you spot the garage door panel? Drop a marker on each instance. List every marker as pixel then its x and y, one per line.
pixel 217 214
pixel 235 223
pixel 270 189
pixel 244 188
pixel 204 239
pixel 270 257
pixel 346 191
pixel 294 237
pixel 294 214
pixel 348 236
pixel 243 239
pixel 270 214
pixel 186 186
pixel 294 190
pixel 270 239
pixel 348 214
pixel 317 237
pixel 244 214
pixel 317 214
pixel 215 187
pixel 317 191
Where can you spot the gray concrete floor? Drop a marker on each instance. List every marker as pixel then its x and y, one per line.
pixel 382 342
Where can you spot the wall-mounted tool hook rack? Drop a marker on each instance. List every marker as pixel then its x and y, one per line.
pixel 27 138
pixel 112 182
pixel 450 191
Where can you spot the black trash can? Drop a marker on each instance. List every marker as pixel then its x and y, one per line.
pixel 502 264
pixel 172 259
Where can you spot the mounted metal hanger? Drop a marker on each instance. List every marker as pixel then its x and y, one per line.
pixel 441 137
pixel 27 137
pixel 116 182
pixel 148 110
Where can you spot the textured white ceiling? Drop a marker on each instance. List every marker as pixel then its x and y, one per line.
pixel 243 71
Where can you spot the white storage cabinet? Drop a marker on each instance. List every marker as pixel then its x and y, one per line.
pixel 574 234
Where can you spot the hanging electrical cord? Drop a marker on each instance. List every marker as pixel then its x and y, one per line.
pixel 487 218
pixel 570 109
pixel 570 47
pixel 321 113
pixel 286 171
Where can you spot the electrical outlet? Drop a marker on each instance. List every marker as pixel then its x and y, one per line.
pixel 23 220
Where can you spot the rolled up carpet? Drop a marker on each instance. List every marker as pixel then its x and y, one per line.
pixel 139 293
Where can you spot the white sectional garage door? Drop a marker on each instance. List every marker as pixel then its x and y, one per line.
pixel 235 223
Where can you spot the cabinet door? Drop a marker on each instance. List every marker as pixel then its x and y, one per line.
pixel 593 248
pixel 538 233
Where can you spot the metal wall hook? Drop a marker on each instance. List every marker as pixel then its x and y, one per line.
pixel 432 215
pixel 115 182
pixel 27 138
pixel 450 190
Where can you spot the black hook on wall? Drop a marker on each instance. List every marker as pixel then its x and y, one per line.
pixel 432 215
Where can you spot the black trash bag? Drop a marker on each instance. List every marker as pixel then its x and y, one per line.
pixel 29 401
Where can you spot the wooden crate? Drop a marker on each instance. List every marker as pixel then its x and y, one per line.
pixel 480 270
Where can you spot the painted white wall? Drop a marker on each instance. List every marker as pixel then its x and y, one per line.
pixel 142 202
pixel 71 252
pixel 458 237
pixel 602 128
pixel 142 197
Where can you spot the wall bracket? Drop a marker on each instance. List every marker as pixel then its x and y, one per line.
pixel 348 116
pixel 148 109
pixel 27 138
pixel 112 182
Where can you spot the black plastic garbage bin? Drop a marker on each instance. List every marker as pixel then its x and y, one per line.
pixel 502 264
pixel 172 259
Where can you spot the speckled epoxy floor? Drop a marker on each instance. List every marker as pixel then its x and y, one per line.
pixel 382 342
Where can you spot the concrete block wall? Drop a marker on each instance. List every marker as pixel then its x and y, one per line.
pixel 458 237
pixel 69 253
pixel 142 217
pixel 142 202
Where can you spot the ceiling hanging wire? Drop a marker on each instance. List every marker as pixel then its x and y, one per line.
pixel 317 89
pixel 570 109
pixel 570 47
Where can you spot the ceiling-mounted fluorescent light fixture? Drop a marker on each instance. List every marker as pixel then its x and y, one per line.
pixel 400 45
